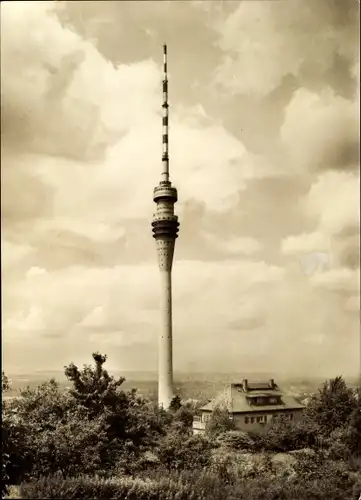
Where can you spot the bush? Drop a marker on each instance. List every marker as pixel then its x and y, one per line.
pixel 329 482
pixel 220 422
pixel 333 405
pixel 236 440
pixel 178 453
pixel 93 487
pixel 16 457
pixel 56 434
pixel 287 436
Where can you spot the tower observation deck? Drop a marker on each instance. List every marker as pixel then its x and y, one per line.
pixel 165 228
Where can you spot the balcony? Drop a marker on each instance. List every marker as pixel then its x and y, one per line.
pixel 198 425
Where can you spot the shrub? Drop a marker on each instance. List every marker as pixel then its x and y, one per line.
pixel 331 483
pixel 236 440
pixel 354 438
pixel 220 422
pixel 93 487
pixel 287 436
pixel 332 406
pixel 178 453
pixel 16 457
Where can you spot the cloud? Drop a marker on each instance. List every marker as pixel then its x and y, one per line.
pixel 122 303
pixel 353 304
pixel 12 253
pixel 308 40
pixel 338 280
pixel 81 149
pixel 343 211
pixel 233 246
pixel 305 243
pixel 56 112
pixel 332 204
pixel 320 131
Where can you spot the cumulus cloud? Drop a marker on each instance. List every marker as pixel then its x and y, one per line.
pixel 305 243
pixel 81 149
pixel 332 203
pixel 338 280
pixel 320 131
pixel 308 40
pixel 343 211
pixel 233 246
pixel 122 303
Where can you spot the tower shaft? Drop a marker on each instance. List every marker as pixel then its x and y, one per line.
pixel 165 345
pixel 165 228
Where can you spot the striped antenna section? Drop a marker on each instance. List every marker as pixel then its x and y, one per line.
pixel 165 106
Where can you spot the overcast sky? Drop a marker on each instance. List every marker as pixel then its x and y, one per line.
pixel 264 152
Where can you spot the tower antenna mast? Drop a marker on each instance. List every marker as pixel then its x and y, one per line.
pixel 165 228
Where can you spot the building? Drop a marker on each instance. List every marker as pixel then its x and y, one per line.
pixel 165 231
pixel 251 405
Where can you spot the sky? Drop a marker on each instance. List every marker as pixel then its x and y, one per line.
pixel 264 152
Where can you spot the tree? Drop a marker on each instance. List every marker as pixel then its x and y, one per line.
pixel 236 440
pixel 220 421
pixel 175 404
pixel 5 382
pixel 54 433
pixel 331 407
pixel 184 417
pixel 128 417
pixel 178 453
pixel 94 388
pixel 285 436
pixel 354 438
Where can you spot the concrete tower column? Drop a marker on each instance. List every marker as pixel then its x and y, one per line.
pixel 165 348
pixel 165 228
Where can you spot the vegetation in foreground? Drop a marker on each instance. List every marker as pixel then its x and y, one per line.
pixel 99 441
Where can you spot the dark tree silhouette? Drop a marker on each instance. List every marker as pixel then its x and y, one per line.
pixel 332 406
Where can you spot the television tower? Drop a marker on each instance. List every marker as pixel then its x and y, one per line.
pixel 165 228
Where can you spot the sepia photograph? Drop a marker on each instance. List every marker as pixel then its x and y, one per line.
pixel 180 249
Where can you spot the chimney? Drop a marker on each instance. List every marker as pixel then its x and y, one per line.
pixel 245 384
pixel 271 383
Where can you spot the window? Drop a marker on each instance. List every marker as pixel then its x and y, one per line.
pixel 246 420
pixel 262 419
pixel 252 420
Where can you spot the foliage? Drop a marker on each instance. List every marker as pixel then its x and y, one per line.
pixel 93 487
pixel 57 434
pixel 127 416
pixel 94 388
pixel 354 436
pixel 193 485
pixel 175 404
pixel 5 382
pixel 236 440
pixel 332 406
pixel 76 432
pixel 219 422
pixel 183 418
pixel 175 452
pixel 16 459
pixel 71 445
pixel 286 436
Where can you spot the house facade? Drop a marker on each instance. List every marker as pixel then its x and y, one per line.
pixel 252 406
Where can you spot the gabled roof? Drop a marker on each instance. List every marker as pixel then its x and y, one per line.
pixel 238 401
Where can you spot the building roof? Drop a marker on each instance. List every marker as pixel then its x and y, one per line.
pixel 237 398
